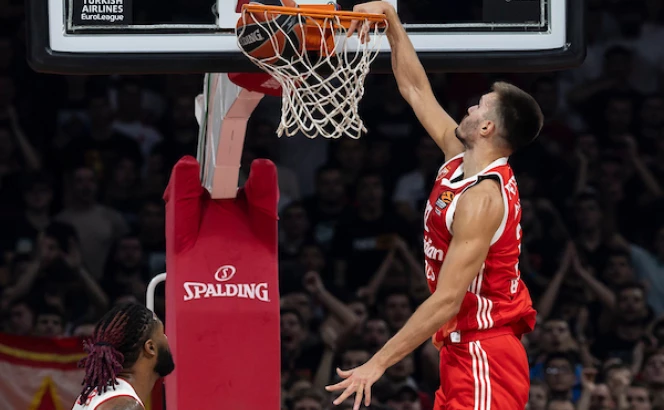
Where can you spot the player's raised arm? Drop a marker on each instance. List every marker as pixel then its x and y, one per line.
pixel 478 215
pixel 413 82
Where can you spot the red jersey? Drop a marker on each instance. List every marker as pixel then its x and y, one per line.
pixel 497 297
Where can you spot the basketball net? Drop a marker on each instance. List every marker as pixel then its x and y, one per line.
pixel 323 83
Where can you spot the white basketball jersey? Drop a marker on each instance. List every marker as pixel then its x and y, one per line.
pixel 122 388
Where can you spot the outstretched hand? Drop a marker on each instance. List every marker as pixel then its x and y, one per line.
pixel 357 381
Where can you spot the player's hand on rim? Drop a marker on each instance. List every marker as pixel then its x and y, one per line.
pixel 362 26
pixel 357 381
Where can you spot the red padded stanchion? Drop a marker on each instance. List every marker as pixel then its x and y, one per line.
pixel 222 296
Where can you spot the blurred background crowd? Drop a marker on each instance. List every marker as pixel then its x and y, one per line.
pixel 84 162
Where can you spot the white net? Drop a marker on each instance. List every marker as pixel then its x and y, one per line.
pixel 322 87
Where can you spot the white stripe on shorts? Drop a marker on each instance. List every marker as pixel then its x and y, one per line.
pixel 480 364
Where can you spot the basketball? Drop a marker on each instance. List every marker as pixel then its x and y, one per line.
pixel 267 37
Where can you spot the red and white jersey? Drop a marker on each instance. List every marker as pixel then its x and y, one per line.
pixel 122 388
pixel 497 297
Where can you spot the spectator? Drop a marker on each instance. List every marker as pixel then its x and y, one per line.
pixel 20 318
pixel 151 232
pixel 131 117
pixel 49 321
pixel 22 230
pixel 363 238
pixel 326 205
pixel 539 395
pixel 560 377
pixel 638 397
pixel 97 226
pixel 412 189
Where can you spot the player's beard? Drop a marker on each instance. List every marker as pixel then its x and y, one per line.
pixel 165 364
pixel 459 134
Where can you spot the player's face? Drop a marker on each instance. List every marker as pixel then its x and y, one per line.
pixel 164 364
pixel 470 127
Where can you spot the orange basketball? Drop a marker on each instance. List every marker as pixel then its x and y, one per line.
pixel 267 36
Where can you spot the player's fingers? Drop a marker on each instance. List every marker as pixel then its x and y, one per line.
pixel 367 395
pixel 365 32
pixel 341 385
pixel 346 394
pixel 352 28
pixel 358 397
pixel 344 373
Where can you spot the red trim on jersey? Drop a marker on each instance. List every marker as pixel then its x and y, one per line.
pixel 115 397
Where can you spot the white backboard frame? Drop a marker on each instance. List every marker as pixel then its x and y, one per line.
pixel 61 42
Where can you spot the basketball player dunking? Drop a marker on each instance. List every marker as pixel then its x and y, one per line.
pixel 127 354
pixel 479 307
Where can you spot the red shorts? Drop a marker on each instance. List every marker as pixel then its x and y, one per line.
pixel 486 371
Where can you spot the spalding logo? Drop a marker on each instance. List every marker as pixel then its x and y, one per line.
pixel 225 273
pixel 252 291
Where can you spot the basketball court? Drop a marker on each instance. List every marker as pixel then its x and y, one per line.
pixel 213 296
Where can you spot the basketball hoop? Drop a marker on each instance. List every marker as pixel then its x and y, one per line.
pixel 322 78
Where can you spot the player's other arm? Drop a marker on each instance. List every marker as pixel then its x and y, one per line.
pixel 477 218
pixel 413 82
pixel 120 403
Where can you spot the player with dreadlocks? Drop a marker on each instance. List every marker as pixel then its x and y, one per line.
pixel 127 354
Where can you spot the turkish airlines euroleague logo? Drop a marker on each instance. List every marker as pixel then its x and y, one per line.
pixel 224 288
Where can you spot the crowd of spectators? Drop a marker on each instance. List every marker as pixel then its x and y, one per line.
pixel 84 161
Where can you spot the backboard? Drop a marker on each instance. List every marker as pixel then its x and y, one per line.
pixel 186 36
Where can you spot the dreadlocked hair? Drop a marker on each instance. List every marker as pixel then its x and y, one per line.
pixel 115 345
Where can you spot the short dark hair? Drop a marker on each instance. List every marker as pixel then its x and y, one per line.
pixel 294 312
pixel 622 254
pixel 570 357
pixel 385 293
pixel 630 286
pixel 521 115
pixel 309 394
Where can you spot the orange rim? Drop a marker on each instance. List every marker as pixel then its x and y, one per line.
pixel 318 12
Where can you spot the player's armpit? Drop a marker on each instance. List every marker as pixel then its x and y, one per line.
pixel 121 403
pixel 478 216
